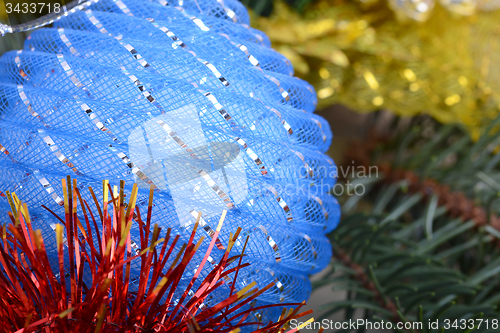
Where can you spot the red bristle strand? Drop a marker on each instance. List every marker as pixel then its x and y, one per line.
pixel 202 264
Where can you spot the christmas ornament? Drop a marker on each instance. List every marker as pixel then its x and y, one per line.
pixel 64 299
pixel 363 56
pixel 188 101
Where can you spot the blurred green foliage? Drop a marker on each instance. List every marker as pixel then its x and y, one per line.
pixel 403 250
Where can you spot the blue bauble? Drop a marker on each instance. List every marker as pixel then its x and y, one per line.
pixel 185 97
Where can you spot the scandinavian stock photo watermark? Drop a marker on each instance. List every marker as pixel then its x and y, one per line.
pixel 349 180
pixel 348 173
pixel 365 324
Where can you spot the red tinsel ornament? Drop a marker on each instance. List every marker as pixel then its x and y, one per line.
pixel 36 299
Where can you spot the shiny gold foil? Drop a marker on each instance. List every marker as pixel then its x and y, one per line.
pixel 368 56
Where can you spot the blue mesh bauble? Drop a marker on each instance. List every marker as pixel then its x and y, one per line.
pixel 185 97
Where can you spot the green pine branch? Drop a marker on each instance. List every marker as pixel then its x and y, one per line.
pixel 422 244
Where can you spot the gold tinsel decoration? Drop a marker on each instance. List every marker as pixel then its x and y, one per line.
pixel 368 56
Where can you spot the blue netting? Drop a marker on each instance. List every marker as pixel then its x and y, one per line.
pixel 185 97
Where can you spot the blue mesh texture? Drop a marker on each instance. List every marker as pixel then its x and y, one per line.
pixel 185 97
